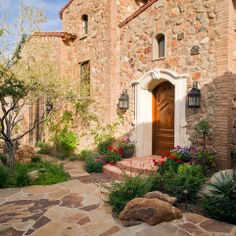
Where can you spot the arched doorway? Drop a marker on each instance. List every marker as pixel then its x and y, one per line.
pixel 144 89
pixel 163 118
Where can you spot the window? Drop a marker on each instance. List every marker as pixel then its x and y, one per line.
pixel 85 79
pixel 85 24
pixel 159 47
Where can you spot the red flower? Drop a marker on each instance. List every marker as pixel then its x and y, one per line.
pixel 114 150
pixel 120 149
pixel 162 163
pixel 120 152
pixel 110 148
pixel 155 162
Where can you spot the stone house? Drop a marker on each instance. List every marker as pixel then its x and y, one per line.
pixel 154 49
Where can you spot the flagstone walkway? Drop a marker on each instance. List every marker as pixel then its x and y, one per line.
pixel 77 208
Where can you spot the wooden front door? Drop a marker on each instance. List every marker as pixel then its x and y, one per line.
pixel 163 118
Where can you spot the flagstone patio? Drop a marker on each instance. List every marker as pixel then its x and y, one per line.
pixel 77 207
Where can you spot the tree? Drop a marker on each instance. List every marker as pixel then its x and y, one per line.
pixel 14 92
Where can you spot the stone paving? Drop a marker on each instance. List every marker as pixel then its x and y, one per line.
pixel 77 207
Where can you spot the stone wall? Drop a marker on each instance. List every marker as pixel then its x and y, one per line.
pixel 186 23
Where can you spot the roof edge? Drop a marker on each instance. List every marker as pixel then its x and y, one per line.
pixel 64 8
pixel 64 35
pixel 137 13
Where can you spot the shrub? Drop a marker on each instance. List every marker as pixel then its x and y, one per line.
pixel 156 182
pixel 113 155
pixel 21 176
pixel 49 174
pixel 119 194
pixel 3 158
pixel 4 176
pixel 200 156
pixel 104 144
pixel 220 201
pixel 93 165
pixel 222 209
pixel 45 148
pixel 36 159
pixel 66 142
pixel 85 154
pixel 188 178
pixel 52 174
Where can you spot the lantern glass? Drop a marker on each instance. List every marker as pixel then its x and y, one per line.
pixel 194 97
pixel 123 100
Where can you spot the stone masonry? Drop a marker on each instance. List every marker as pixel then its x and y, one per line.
pixel 119 46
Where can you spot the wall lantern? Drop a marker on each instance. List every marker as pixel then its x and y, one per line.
pixel 194 96
pixel 49 106
pixel 123 103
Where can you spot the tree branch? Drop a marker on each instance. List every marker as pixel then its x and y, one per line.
pixel 34 126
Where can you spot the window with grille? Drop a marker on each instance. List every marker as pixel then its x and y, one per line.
pixel 85 79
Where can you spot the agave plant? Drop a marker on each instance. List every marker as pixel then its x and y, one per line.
pixel 223 186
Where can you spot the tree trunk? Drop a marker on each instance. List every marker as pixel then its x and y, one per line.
pixel 10 149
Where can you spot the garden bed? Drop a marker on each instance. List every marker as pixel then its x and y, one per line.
pixel 46 173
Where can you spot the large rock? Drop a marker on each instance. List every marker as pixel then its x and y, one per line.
pixel 151 211
pixel 215 177
pixel 161 196
pixel 24 154
pixel 33 175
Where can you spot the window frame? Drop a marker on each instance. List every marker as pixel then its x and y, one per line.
pixel 85 78
pixel 156 47
pixel 85 24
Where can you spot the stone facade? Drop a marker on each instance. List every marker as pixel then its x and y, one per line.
pixel 200 46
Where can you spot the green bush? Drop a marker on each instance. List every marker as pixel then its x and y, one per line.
pixel 169 165
pixel 119 194
pixel 66 142
pixel 52 174
pixel 113 155
pixel 188 178
pixel 222 209
pixel 220 202
pixel 3 158
pixel 36 159
pixel 104 144
pixel 93 165
pixel 85 154
pixel 49 174
pixel 4 176
pixel 21 176
pixel 45 148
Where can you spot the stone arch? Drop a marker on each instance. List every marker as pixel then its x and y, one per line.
pixel 143 88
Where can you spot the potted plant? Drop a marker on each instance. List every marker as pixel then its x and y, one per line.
pixel 127 147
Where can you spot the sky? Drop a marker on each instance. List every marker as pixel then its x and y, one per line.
pixel 50 8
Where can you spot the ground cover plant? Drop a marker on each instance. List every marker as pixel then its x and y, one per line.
pixel 220 201
pixel 49 173
pixel 119 194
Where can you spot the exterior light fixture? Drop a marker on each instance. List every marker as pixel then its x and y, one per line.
pixel 194 96
pixel 123 103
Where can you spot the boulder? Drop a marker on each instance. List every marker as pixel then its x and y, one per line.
pixel 151 211
pixel 217 176
pixel 161 196
pixel 33 175
pixel 24 154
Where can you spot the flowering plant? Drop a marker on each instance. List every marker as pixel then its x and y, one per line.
pixel 189 155
pixel 113 155
pixel 127 144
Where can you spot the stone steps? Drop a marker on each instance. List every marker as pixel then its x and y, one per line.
pixel 131 167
